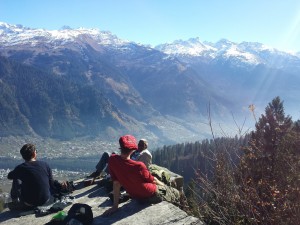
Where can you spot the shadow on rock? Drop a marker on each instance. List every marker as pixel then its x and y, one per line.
pixel 96 191
pixel 9 215
pixel 126 210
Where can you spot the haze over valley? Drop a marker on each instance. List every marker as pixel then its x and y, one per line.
pixel 86 87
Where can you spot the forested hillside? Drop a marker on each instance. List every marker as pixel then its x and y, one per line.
pixel 188 158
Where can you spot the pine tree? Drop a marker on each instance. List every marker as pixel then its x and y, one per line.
pixel 269 163
pixel 263 148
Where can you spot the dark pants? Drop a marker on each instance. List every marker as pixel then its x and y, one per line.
pixel 102 164
pixel 15 191
pixel 18 202
pixel 16 196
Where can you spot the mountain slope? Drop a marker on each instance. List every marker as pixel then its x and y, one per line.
pixel 101 84
pixel 243 72
pixel 41 103
pixel 131 76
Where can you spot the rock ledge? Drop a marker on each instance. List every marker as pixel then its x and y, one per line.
pixel 130 212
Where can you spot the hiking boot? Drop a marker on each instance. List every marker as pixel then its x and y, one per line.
pixel 124 196
pixel 88 182
pixel 17 205
pixel 94 174
pixel 101 182
pixel 13 205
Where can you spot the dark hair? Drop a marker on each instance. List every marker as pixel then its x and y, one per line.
pixel 27 151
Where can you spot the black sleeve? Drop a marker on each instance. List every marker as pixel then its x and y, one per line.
pixel 50 176
pixel 13 174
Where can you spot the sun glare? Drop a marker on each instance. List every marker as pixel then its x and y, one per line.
pixel 292 35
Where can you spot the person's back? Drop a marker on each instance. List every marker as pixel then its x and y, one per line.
pixel 136 178
pixel 146 157
pixel 142 154
pixel 35 188
pixel 133 175
pixel 32 179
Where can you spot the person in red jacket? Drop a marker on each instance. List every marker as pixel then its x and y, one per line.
pixel 136 178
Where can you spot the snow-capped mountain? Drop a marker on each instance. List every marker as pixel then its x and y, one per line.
pixel 192 47
pixel 141 83
pixel 195 48
pixel 128 84
pixel 241 54
pixel 12 35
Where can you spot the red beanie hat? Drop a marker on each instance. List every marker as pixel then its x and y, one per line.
pixel 128 141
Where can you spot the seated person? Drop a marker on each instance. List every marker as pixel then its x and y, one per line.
pixel 136 178
pixel 142 154
pixel 32 180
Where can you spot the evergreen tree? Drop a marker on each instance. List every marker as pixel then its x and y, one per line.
pixel 271 160
pixel 263 148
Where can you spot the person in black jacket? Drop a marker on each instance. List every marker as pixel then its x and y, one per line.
pixel 32 180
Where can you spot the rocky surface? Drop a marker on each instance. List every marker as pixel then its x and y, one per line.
pixel 130 212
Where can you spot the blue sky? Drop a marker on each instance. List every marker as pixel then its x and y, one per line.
pixel 272 22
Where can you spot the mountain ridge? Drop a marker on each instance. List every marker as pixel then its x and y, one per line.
pixel 249 52
pixel 147 84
